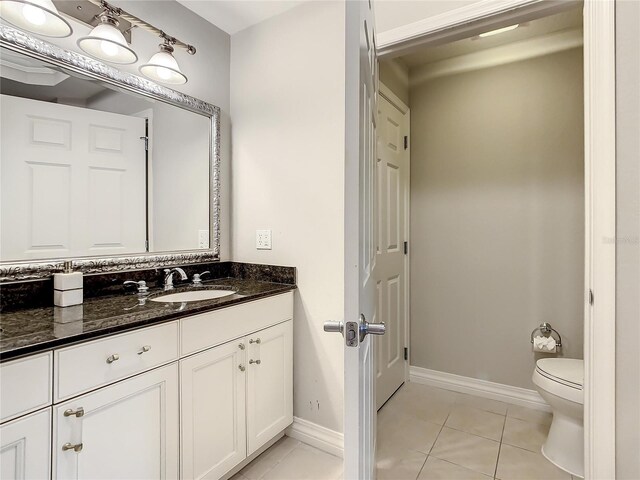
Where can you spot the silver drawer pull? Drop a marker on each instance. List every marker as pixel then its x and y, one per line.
pixel 113 358
pixel 257 362
pixel 78 412
pixel 145 349
pixel 241 346
pixel 241 367
pixel 68 446
pixel 257 340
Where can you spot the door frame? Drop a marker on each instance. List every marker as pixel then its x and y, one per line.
pixel 405 110
pixel 600 187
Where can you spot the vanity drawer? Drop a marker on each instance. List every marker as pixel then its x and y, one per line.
pixel 93 364
pixel 213 328
pixel 25 385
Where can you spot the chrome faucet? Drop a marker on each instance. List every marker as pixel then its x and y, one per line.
pixel 168 278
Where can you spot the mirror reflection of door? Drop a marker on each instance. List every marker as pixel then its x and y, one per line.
pixel 73 181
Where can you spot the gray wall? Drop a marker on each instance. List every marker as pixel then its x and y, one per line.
pixel 628 233
pixel 395 75
pixel 497 216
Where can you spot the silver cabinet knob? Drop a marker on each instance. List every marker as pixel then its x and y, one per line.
pixel 113 358
pixel 257 362
pixel 78 412
pixel 145 349
pixel 257 340
pixel 69 446
pixel 241 367
pixel 241 346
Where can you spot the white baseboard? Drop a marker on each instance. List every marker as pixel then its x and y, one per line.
pixel 481 388
pixel 317 436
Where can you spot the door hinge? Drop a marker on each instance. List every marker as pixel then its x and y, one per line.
pixel 590 297
pixel 146 245
pixel 406 142
pixel 406 247
pixel 146 142
pixel 406 353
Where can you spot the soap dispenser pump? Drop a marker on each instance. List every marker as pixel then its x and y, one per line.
pixel 67 287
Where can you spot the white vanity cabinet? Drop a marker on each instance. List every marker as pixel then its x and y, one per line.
pixel 269 384
pixel 235 398
pixel 25 447
pixel 192 398
pixel 127 430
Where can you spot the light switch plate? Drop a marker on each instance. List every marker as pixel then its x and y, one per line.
pixel 263 239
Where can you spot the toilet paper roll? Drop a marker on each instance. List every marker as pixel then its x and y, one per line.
pixel 544 344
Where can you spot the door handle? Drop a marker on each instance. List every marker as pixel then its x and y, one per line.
pixel 367 328
pixel 69 446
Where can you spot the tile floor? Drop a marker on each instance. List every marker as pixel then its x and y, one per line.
pixel 426 433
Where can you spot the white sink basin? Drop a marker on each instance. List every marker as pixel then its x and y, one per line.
pixel 193 296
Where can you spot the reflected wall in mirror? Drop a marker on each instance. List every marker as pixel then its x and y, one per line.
pixel 90 169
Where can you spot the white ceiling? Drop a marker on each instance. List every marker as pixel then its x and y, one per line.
pixel 561 21
pixel 235 15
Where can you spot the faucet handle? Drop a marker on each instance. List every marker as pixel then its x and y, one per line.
pixel 197 277
pixel 142 286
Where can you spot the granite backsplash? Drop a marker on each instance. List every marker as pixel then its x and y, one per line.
pixel 39 293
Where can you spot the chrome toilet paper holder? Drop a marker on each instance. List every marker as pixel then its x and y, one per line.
pixel 547 330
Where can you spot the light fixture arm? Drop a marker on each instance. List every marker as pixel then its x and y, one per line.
pixel 114 11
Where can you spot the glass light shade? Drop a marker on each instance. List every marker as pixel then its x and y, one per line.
pixel 37 16
pixel 163 67
pixel 107 43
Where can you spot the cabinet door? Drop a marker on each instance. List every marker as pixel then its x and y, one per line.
pixel 25 447
pixel 213 411
pixel 128 430
pixel 269 384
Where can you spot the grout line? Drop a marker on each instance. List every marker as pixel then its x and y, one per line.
pixel 423 464
pixel 495 472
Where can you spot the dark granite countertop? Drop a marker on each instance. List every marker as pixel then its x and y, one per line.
pixel 33 330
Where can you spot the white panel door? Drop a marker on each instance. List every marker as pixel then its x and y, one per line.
pixel 25 447
pixel 360 255
pixel 72 180
pixel 128 430
pixel 391 205
pixel 269 384
pixel 213 418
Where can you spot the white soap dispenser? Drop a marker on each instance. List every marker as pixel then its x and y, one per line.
pixel 67 287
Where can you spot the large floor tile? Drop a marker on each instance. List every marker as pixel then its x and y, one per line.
pixel 518 464
pixel 478 422
pixel 306 463
pixel 398 431
pixel 436 469
pixel 527 435
pixel 270 458
pixel 469 451
pixel 395 464
pixel 422 402
pixel 486 404
pixel 529 414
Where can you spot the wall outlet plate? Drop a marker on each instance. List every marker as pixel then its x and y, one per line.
pixel 263 239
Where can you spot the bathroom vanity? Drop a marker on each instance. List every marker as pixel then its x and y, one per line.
pixel 186 390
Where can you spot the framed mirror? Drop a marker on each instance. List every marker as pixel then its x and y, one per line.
pixel 101 167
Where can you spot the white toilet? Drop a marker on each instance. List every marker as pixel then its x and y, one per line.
pixel 559 382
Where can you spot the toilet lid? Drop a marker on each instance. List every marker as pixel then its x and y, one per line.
pixel 568 371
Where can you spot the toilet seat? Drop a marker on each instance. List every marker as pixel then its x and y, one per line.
pixel 562 377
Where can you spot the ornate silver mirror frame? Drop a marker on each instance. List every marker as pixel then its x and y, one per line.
pixel 21 42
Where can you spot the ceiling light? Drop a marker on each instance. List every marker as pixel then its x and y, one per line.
pixel 499 30
pixel 37 16
pixel 163 67
pixel 106 42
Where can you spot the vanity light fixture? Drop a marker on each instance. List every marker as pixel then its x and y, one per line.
pixel 106 42
pixel 163 67
pixel 37 16
pixel 499 30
